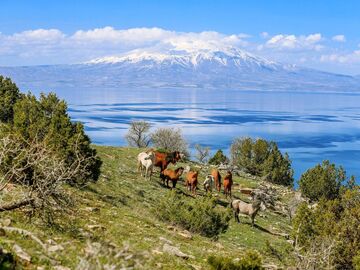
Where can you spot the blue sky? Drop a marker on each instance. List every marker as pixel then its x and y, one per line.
pixel 319 34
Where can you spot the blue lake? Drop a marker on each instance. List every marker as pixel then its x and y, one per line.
pixel 311 127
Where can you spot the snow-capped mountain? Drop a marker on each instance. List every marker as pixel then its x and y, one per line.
pixel 218 68
pixel 189 59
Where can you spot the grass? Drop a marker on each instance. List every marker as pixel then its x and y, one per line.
pixel 120 210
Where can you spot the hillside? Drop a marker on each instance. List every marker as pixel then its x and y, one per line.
pixel 115 220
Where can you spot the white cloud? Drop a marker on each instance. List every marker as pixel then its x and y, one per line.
pixel 53 46
pixel 264 34
pixel 293 42
pixel 339 38
pixel 346 58
pixel 134 35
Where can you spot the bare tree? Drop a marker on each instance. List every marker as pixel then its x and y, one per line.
pixel 39 175
pixel 137 135
pixel 170 139
pixel 202 153
pixel 320 255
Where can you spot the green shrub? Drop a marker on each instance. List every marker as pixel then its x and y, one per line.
pixel 322 181
pixel 303 225
pixel 7 261
pixel 9 94
pixel 250 261
pixel 45 120
pixel 336 220
pixel 262 158
pixel 218 158
pixel 200 215
pixel 356 262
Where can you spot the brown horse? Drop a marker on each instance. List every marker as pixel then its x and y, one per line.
pixel 192 181
pixel 172 175
pixel 228 183
pixel 217 178
pixel 162 160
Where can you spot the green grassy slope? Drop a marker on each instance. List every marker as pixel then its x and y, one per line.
pixel 118 213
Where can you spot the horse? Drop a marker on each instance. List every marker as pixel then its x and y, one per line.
pixel 172 175
pixel 162 160
pixel 209 183
pixel 217 178
pixel 146 161
pixel 250 209
pixel 228 184
pixel 192 181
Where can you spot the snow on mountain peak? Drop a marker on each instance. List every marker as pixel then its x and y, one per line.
pixel 189 57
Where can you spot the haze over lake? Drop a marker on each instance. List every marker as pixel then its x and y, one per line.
pixel 311 127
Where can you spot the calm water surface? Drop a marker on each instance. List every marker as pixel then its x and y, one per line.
pixel 310 127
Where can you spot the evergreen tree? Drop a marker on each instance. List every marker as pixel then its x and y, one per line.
pixel 262 158
pixel 9 94
pixel 322 181
pixel 218 158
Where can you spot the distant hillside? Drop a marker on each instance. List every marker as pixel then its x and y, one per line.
pixel 226 68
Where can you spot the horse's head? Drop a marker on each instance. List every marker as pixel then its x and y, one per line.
pixel 177 156
pixel 180 170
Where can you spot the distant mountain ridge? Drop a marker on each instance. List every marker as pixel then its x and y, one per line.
pixel 223 68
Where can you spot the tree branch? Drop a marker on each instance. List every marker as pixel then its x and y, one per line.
pixel 15 205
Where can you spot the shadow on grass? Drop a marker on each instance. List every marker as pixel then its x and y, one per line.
pixel 113 200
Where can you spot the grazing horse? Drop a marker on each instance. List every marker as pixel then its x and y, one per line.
pixel 146 161
pixel 217 178
pixel 209 183
pixel 172 175
pixel 228 183
pixel 162 160
pixel 250 209
pixel 192 181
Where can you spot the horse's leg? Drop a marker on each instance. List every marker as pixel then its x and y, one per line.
pixel 151 171
pixel 139 167
pixel 146 172
pixel 236 215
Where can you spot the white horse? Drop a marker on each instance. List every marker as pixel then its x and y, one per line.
pixel 209 183
pixel 146 161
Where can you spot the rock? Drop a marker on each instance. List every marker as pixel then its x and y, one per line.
pixel 291 242
pixel 55 248
pixel 186 234
pixel 171 228
pixel 165 240
pixel 93 209
pixel 176 252
pixel 218 245
pixel 157 252
pixel 6 222
pixel 21 254
pixel 96 227
pixel 51 242
pixel 60 267
pixel 196 267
